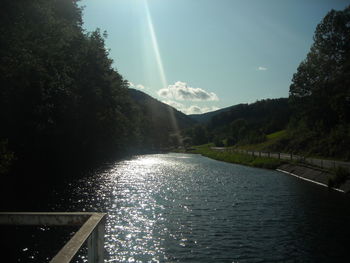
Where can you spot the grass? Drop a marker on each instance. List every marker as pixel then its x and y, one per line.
pixel 270 140
pixel 277 135
pixel 234 157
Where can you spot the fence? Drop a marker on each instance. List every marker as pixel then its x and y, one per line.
pixel 328 164
pixel 92 230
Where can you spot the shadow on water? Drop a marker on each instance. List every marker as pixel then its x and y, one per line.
pixel 30 184
pixel 38 189
pixel 319 221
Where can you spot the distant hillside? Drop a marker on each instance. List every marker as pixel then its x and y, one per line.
pixel 268 110
pixel 160 110
pixel 205 117
pixel 242 123
pixel 268 115
pixel 160 120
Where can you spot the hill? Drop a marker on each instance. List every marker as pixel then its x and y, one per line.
pixel 159 119
pixel 205 117
pixel 268 115
pixel 161 111
pixel 242 123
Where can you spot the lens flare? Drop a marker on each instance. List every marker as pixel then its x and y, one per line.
pixel 161 68
pixel 155 45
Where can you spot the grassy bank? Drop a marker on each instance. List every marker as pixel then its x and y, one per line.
pixel 271 140
pixel 234 157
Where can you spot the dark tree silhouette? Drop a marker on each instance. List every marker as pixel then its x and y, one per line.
pixel 320 90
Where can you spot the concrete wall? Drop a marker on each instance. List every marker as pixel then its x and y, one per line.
pixel 313 175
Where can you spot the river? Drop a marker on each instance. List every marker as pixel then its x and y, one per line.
pixel 188 208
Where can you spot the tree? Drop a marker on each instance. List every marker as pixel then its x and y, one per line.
pixel 199 135
pixel 61 101
pixel 320 89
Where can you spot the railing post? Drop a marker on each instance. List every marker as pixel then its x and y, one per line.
pixel 92 248
pixel 96 244
pixel 279 155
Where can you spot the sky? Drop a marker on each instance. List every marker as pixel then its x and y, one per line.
pixel 203 55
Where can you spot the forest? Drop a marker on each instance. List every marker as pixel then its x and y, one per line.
pixel 242 123
pixel 319 95
pixel 315 117
pixel 63 104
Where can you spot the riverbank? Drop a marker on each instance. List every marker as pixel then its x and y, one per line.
pixel 308 173
pixel 235 157
pixel 314 175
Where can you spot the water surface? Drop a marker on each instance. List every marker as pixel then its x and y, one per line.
pixel 188 208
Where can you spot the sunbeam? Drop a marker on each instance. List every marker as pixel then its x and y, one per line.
pixel 155 45
pixel 161 68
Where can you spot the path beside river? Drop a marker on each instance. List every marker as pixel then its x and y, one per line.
pixel 312 170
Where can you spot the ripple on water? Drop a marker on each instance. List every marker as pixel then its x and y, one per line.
pixel 187 208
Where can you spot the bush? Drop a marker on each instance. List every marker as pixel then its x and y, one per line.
pixel 218 142
pixel 230 141
pixel 340 177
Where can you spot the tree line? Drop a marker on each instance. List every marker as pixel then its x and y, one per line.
pixel 242 124
pixel 62 103
pixel 316 115
pixel 320 91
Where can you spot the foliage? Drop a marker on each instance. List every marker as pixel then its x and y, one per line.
pixel 243 123
pixel 61 100
pixel 199 135
pixel 234 157
pixel 320 91
pixel 340 177
pixel 160 123
pixel 218 141
pixel 273 142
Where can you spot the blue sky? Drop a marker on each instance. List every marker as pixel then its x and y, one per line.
pixel 201 55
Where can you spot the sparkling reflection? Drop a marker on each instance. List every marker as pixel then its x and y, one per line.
pixel 176 208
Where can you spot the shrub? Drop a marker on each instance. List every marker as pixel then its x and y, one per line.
pixel 340 177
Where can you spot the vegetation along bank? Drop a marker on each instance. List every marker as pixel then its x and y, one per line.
pixel 333 178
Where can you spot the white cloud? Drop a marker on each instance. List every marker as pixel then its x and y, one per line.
pixel 138 86
pixel 180 91
pixel 262 68
pixel 193 109
pixel 174 104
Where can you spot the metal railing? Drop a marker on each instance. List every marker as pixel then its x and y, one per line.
pixel 92 230
pixel 323 163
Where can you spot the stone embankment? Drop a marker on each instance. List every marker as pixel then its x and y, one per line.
pixel 314 175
